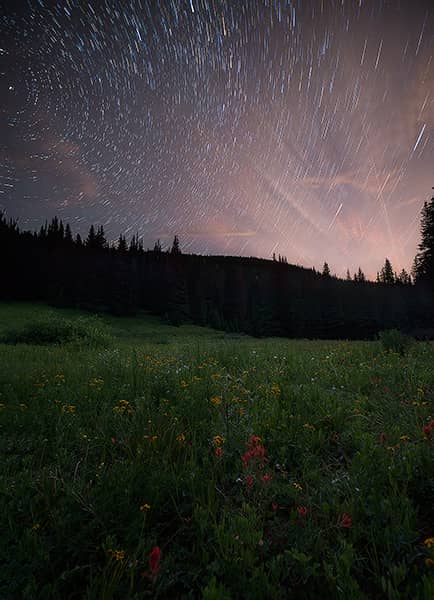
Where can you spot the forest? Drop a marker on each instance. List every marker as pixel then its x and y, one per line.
pixel 247 295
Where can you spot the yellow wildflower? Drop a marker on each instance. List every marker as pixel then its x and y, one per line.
pixel 297 486
pixel 117 554
pixel 309 427
pixel 216 400
pixel 36 526
pixel 429 542
pixel 404 438
pixel 218 441
pixel 145 507
pixel 180 438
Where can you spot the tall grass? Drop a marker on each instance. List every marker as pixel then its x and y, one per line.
pixel 216 469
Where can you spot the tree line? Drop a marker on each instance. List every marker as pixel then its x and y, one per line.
pixel 256 296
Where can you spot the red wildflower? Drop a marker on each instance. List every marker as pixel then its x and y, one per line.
pixel 113 440
pixel 427 429
pixel 218 452
pixel 154 560
pixel 383 437
pixel 253 441
pixel 345 521
pixel 249 481
pixel 302 511
pixel 255 452
pixel 274 505
pixel 267 477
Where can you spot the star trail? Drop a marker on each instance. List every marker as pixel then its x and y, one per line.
pixel 245 127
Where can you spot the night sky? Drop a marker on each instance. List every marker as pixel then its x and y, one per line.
pixel 246 127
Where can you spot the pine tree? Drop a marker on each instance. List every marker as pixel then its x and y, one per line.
pixel 403 278
pixel 157 246
pixel 424 262
pixel 91 238
pixel 100 238
pixel 326 270
pixel 68 234
pixel 348 276
pixel 175 246
pixel 359 276
pixel 122 245
pixel 386 273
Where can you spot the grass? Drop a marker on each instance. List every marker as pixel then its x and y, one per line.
pixel 135 470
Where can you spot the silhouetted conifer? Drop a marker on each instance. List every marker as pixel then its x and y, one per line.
pixel 424 261
pixel 175 246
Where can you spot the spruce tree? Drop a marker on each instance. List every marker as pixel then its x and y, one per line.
pixel 386 273
pixel 175 246
pixel 122 244
pixel 424 261
pixel 326 270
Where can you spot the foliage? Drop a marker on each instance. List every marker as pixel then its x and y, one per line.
pixel 394 340
pixel 238 294
pixel 55 329
pixel 214 467
pixel 424 261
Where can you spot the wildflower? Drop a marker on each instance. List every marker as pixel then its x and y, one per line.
pixel 154 560
pixel 345 521
pixel 253 441
pixel 216 400
pixel 218 452
pixel 427 429
pixel 274 505
pixel 218 440
pixel 183 384
pixel 145 507
pixel 267 477
pixel 383 437
pixel 180 438
pixel 118 555
pixel 297 486
pixel 36 526
pixel 429 542
pixel 302 511
pixel 255 453
pixel 249 481
pixel 404 438
pixel 309 427
pixel 67 409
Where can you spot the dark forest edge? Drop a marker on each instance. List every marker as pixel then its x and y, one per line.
pixel 252 295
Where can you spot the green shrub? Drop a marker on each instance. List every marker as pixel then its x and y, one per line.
pixel 393 340
pixel 53 329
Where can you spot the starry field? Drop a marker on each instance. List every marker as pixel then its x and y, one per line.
pixel 145 460
pixel 302 128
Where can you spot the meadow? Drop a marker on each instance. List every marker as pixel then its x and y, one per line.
pixel 147 460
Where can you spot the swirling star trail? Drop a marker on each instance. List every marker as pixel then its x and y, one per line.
pixel 246 127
